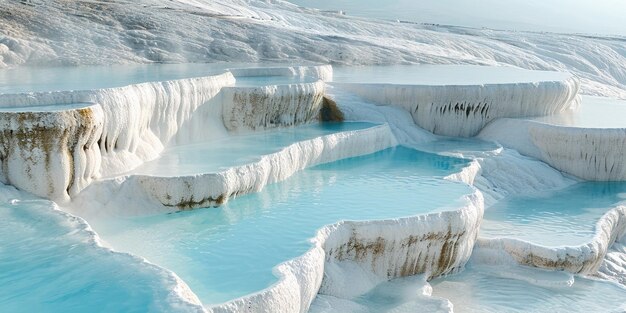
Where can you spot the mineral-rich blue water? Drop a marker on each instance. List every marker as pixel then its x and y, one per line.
pixel 228 252
pixel 556 218
pixel 49 262
pixel 216 155
pixel 491 289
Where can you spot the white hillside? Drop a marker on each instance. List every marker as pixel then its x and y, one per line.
pixel 62 33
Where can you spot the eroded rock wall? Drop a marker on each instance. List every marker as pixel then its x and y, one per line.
pixel 52 154
pixel 256 108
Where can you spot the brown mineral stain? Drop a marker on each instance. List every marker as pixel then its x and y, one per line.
pixel 330 112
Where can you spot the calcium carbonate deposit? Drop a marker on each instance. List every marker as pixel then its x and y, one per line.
pixel 261 156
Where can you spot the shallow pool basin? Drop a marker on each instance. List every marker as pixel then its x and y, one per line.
pixel 228 252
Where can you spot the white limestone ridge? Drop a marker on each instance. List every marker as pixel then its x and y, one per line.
pixel 464 110
pixel 152 193
pixel 51 151
pixel 589 153
pixel 136 121
pixel 252 108
pixel 129 125
pixel 184 31
pixel 369 253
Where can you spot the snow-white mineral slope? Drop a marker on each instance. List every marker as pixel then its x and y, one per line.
pixel 37 32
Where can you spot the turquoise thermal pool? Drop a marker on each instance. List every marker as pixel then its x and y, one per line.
pixel 50 262
pixel 96 77
pixel 558 218
pixel 221 154
pixel 228 252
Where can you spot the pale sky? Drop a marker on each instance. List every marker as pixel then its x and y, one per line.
pixel 579 16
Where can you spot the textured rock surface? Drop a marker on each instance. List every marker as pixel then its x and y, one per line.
pixel 213 189
pixel 56 154
pixel 46 32
pixel 465 110
pixel 256 108
pixel 52 154
pixel 589 153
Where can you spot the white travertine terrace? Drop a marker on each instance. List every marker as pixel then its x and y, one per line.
pixel 58 152
pixel 167 193
pixel 589 153
pixel 592 258
pixel 433 244
pixel 51 151
pixel 254 108
pixel 585 259
pixel 463 110
pixel 322 72
pixel 135 123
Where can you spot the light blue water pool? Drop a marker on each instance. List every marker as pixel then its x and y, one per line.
pixel 228 252
pixel 256 81
pixel 39 79
pixel 563 217
pixel 489 289
pixel 594 112
pixel 213 156
pixel 46 108
pixel 441 75
pixel 458 146
pixel 49 263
